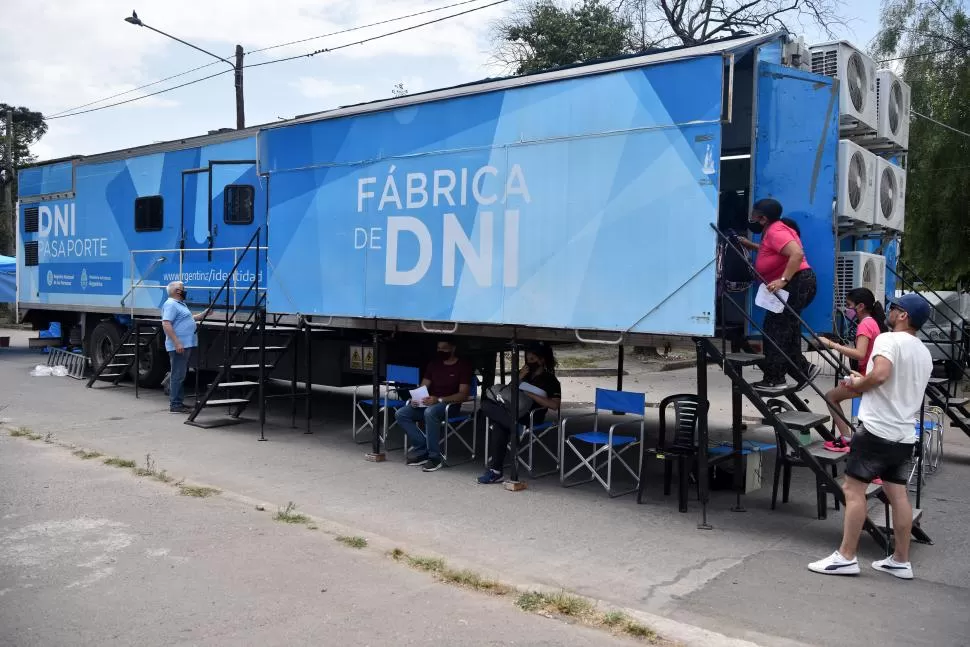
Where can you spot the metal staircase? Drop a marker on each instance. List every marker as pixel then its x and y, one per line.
pixel 138 338
pixel 793 418
pixel 248 363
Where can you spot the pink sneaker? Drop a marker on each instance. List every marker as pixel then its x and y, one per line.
pixel 840 445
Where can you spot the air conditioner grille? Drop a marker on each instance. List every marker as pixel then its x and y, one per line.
pixel 856 180
pixel 825 62
pixel 887 193
pixel 895 107
pixel 857 81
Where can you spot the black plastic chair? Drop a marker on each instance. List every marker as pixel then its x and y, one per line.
pixel 682 447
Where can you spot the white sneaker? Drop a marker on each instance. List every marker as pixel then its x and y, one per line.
pixel 835 564
pixel 903 571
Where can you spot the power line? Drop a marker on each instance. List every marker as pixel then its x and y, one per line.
pixel 940 123
pixel 939 51
pixel 358 28
pixel 254 51
pixel 139 98
pixel 279 60
pixel 121 94
pixel 379 36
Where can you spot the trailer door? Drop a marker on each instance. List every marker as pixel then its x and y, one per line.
pixel 194 240
pixel 238 210
pixel 794 162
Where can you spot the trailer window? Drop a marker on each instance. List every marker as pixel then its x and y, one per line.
pixel 149 213
pixel 238 204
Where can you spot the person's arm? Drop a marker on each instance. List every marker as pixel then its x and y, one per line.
pixel 795 255
pixel 461 396
pixel 548 403
pixel 167 317
pixel 202 315
pixel 857 352
pixel 882 368
pixel 747 244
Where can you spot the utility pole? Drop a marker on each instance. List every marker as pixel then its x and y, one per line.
pixel 240 102
pixel 237 67
pixel 7 232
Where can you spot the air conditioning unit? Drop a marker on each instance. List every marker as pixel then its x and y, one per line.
pixel 859 270
pixel 857 83
pixel 892 110
pixel 890 207
pixel 855 195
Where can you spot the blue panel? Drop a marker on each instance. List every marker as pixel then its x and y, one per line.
pixel 623 401
pixel 795 163
pixel 524 207
pixel 770 52
pixel 892 256
pixel 43 180
pixel 403 374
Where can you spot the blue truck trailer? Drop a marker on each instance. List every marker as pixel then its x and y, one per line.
pixel 571 204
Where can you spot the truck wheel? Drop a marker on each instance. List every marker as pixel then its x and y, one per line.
pixel 105 337
pixel 153 365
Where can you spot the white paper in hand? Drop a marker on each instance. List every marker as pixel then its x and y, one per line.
pixel 529 388
pixel 419 394
pixel 771 302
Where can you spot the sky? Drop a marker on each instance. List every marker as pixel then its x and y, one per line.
pixel 59 54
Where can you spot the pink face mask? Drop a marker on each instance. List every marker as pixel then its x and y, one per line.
pixel 849 313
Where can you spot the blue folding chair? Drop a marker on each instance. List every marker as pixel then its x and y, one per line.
pixel 613 445
pixel 398 379
pixel 534 441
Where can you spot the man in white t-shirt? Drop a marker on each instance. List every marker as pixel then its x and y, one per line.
pixel 892 394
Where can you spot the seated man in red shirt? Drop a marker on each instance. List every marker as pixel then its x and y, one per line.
pixel 448 380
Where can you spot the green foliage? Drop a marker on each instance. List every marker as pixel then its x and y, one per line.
pixel 932 39
pixel 28 128
pixel 544 35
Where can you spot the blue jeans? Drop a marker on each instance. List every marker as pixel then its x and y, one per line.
pixel 427 443
pixel 176 385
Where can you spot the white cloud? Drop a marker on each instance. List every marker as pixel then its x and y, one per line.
pixel 315 88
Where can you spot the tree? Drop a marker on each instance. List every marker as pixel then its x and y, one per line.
pixel 931 42
pixel 543 35
pixel 28 128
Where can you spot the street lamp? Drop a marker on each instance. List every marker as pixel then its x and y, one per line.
pixel 237 67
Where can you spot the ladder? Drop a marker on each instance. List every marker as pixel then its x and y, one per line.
pixel 138 337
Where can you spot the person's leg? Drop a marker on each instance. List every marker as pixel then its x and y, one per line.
pixel 499 437
pixel 407 418
pixel 802 291
pixel 180 364
pixel 835 397
pixel 902 518
pixel 434 416
pixel 774 364
pixel 855 516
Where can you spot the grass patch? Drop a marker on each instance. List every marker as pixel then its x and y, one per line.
pixel 198 491
pixel 119 462
pixel 149 469
pixel 86 455
pixel 577 362
pixel 353 542
pixel 437 567
pixel 163 477
pixel 570 606
pixel 20 432
pixel 288 514
pixel 49 438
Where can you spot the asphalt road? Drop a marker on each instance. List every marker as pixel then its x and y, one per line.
pixel 92 555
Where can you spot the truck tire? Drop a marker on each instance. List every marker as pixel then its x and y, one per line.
pixel 154 365
pixel 105 337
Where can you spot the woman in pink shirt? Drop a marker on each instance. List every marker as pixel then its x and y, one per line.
pixel 781 263
pixel 860 306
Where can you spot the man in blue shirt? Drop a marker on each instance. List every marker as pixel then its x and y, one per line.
pixel 179 325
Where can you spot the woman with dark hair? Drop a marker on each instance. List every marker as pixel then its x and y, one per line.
pixel 860 306
pixel 781 263
pixel 540 372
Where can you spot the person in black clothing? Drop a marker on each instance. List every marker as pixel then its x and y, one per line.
pixel 539 371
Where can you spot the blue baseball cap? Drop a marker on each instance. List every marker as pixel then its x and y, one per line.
pixel 915 306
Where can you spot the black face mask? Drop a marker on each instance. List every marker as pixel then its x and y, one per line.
pixel 755 227
pixel 533 366
pixel 443 355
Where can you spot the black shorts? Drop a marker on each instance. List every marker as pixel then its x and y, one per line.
pixel 871 456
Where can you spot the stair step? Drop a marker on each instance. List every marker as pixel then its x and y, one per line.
pixel 247 366
pixel 232 385
pixel 818 451
pixel 801 420
pixel 226 402
pixel 963 422
pixel 124 355
pixel 744 359
pixel 775 391
pixel 881 519
pixel 938 381
pixel 958 402
pixel 125 365
pixel 104 375
pixel 255 348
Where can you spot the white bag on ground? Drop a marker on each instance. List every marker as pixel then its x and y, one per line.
pixel 41 371
pixel 59 371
